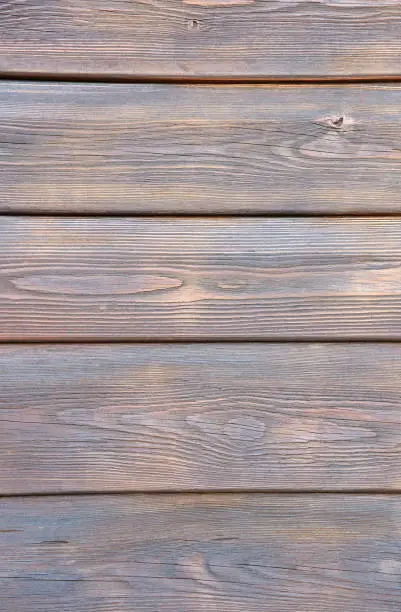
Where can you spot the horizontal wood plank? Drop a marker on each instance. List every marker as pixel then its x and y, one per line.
pixel 197 553
pixel 201 38
pixel 87 148
pixel 200 417
pixel 148 279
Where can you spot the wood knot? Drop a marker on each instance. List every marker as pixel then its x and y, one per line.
pixel 338 122
pixel 194 25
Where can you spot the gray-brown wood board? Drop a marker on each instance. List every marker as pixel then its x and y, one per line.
pixel 146 148
pixel 199 279
pixel 201 38
pixel 194 553
pixel 200 417
pixel 260 473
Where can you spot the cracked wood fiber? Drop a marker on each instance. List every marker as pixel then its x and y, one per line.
pixel 200 417
pixel 146 148
pixel 191 553
pixel 201 38
pixel 199 279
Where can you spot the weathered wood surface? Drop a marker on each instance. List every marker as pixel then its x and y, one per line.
pixel 197 553
pixel 70 147
pixel 200 417
pixel 201 38
pixel 149 279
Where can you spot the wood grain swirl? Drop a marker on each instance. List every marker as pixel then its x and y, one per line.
pixel 200 417
pixel 196 553
pixel 200 279
pixel 99 149
pixel 201 38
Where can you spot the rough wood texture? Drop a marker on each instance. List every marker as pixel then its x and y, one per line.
pixel 202 38
pixel 198 553
pixel 141 279
pixel 69 147
pixel 200 417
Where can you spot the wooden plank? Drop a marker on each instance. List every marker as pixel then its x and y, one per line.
pixel 200 279
pixel 200 417
pixel 70 147
pixel 201 38
pixel 195 553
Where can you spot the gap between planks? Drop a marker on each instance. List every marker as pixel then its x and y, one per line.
pixel 196 215
pixel 81 342
pixel 75 77
pixel 187 491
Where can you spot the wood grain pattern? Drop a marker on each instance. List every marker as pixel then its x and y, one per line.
pixel 69 147
pixel 200 417
pixel 201 38
pixel 244 279
pixel 197 553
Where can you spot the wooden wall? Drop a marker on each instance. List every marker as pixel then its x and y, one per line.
pixel 200 306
